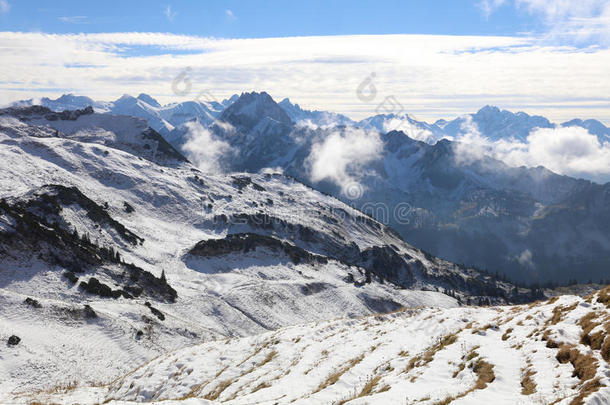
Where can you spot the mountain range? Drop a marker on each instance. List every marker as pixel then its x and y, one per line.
pixel 115 249
pixel 128 274
pixel 528 224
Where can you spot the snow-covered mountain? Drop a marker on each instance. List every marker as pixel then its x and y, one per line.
pixel 593 126
pixel 475 211
pixel 419 130
pixel 456 204
pixel 315 117
pixel 162 119
pixel 115 250
pixel 490 121
pixel 494 123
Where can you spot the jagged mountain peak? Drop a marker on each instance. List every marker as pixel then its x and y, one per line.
pixel 251 108
pixel 228 101
pixel 149 100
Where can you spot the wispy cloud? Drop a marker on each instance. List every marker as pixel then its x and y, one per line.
pixel 170 14
pixel 75 19
pixel 5 7
pixel 488 7
pixel 230 15
pixel 582 21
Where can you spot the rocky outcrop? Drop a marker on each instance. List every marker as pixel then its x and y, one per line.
pixel 246 242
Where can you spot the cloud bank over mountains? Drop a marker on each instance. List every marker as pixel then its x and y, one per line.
pixel 432 76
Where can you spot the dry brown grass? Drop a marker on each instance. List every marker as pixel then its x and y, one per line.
pixel 336 375
pixel 506 334
pixel 550 343
pixel 270 356
pixel 461 367
pixel 428 355
pixel 261 386
pixel 369 386
pixel 605 350
pixel 588 323
pixel 485 374
pixel 585 365
pixel 528 386
pixel 559 313
pixel 587 389
pixel 220 388
pixel 603 296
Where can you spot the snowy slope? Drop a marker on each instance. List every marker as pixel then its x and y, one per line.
pixel 557 351
pixel 244 254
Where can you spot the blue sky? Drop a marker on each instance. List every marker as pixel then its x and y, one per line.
pixel 260 19
pixel 438 59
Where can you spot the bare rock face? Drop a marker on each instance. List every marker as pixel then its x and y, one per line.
pixel 13 340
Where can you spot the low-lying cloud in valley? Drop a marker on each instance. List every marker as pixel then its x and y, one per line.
pixel 204 149
pixel 571 151
pixel 341 157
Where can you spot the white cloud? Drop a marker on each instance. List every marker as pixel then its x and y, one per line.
pixel 431 76
pixel 580 21
pixel 572 151
pixel 204 150
pixel 341 157
pixel 490 6
pixel 525 259
pixel 230 15
pixel 5 7
pixel 170 14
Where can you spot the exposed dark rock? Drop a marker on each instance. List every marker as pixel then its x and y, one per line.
pixel 246 242
pixel 88 312
pixel 32 303
pixel 96 288
pixel 13 340
pixel 387 264
pixel 314 288
pixel 60 247
pixel 24 113
pixel 162 146
pixel 155 311
pixel 50 200
pixel 70 276
pixel 127 207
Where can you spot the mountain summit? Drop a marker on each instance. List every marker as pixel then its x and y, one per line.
pixel 250 108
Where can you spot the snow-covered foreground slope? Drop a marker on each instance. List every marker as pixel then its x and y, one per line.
pixel 110 256
pixel 555 351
